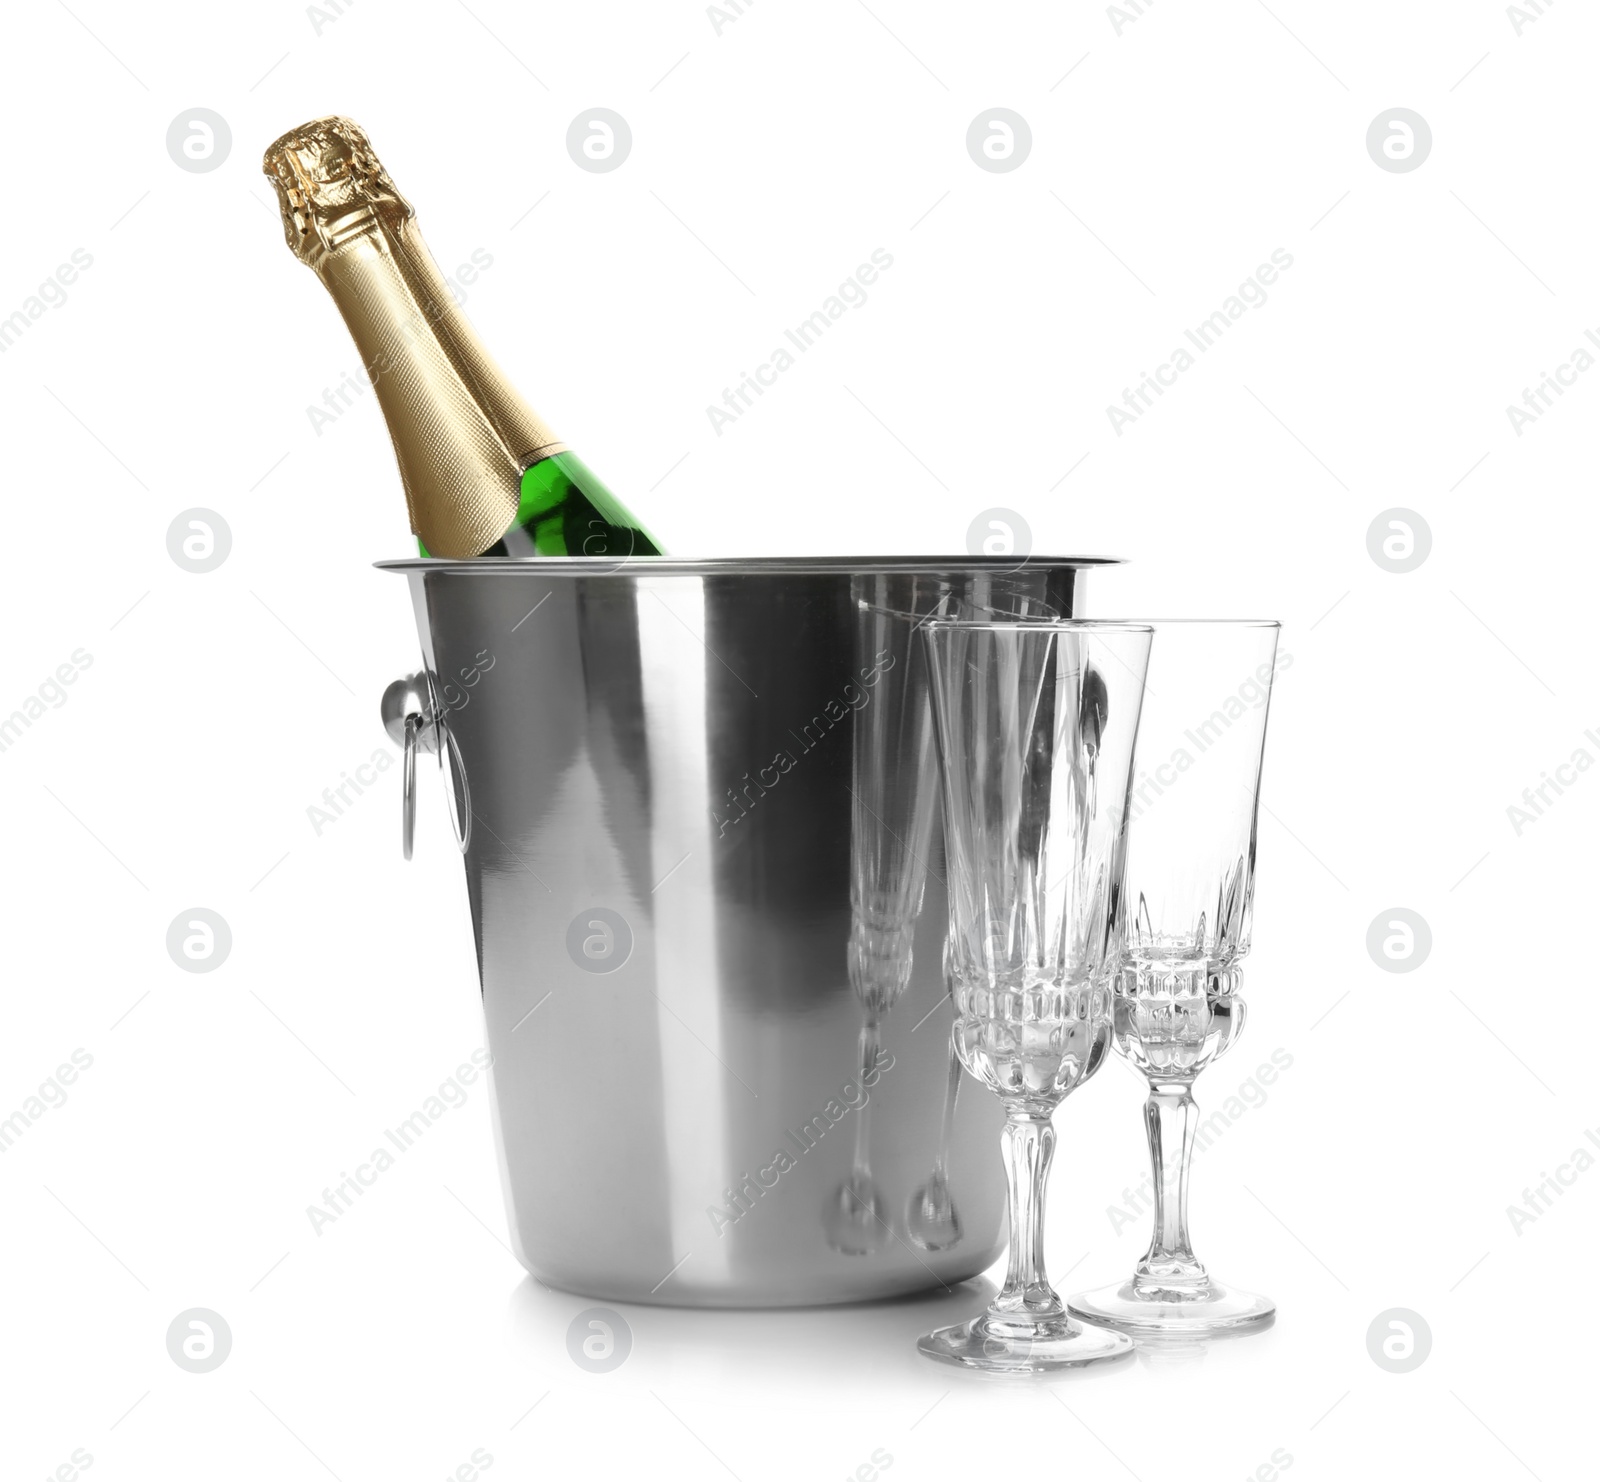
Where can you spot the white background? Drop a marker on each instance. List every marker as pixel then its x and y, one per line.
pixel 1167 162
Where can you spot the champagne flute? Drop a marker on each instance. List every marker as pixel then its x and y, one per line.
pixel 1036 723
pixel 1191 888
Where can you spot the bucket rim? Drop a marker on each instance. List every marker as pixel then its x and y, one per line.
pixel 592 566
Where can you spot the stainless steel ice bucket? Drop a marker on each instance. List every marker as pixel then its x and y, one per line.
pixel 698 806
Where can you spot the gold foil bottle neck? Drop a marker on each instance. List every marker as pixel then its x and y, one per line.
pixel 462 435
pixel 331 186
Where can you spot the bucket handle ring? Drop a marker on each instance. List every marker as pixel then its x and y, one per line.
pixel 412 719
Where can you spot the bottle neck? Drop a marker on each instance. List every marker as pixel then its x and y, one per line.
pixel 461 434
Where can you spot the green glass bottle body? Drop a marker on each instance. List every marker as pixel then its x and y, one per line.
pixel 564 510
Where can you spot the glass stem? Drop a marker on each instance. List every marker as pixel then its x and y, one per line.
pixel 951 1091
pixel 868 1044
pixel 1027 1144
pixel 1170 1116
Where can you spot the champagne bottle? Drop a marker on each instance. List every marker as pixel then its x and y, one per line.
pixel 483 474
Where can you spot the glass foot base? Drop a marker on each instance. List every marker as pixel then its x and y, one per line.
pixel 1006 1346
pixel 1216 1310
